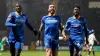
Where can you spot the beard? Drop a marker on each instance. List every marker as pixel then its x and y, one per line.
pixel 18 10
pixel 76 13
pixel 52 11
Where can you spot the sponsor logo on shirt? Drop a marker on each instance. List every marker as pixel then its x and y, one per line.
pixel 76 25
pixel 51 20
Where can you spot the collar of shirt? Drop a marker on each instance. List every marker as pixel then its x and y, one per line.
pixel 51 15
pixel 17 13
pixel 75 17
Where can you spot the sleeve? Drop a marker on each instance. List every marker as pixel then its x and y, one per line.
pixel 67 25
pixel 28 24
pixel 42 20
pixel 60 19
pixel 85 28
pixel 84 21
pixel 8 21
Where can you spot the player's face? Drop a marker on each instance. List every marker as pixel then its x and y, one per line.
pixel 51 9
pixel 18 7
pixel 76 11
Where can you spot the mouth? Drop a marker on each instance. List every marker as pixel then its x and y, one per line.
pixel 52 11
pixel 18 9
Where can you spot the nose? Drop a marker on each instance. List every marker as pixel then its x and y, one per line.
pixel 53 8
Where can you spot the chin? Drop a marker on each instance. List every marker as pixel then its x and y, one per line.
pixel 52 12
pixel 76 14
pixel 18 10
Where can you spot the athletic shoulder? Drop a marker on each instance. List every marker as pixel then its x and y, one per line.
pixel 70 19
pixel 44 17
pixel 12 13
pixel 24 14
pixel 58 16
pixel 83 19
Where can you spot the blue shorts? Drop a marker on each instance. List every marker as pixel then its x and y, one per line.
pixel 13 39
pixel 52 44
pixel 17 45
pixel 77 44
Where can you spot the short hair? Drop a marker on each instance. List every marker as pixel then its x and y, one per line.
pixel 51 4
pixel 77 7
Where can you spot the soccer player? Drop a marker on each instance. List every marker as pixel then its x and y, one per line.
pixel 91 40
pixel 78 30
pixel 2 43
pixel 52 24
pixel 16 21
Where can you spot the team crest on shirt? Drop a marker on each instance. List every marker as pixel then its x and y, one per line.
pixel 20 19
pixel 24 17
pixel 76 25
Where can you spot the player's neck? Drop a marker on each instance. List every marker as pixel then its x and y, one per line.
pixel 49 14
pixel 18 12
pixel 76 16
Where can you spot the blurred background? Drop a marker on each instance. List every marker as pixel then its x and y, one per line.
pixel 35 9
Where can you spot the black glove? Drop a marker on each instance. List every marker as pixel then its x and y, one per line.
pixel 19 25
pixel 35 32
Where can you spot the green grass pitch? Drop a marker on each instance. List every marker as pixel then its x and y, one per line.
pixel 42 53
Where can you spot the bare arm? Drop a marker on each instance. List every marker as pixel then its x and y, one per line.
pixel 66 27
pixel 63 33
pixel 96 40
pixel 39 34
pixel 62 30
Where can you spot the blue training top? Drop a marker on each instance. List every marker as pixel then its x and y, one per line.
pixel 51 26
pixel 76 28
pixel 16 33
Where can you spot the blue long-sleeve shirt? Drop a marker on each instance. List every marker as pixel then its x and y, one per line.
pixel 16 33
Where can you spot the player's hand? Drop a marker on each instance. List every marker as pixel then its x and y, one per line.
pixel 19 25
pixel 64 38
pixel 37 43
pixel 35 32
